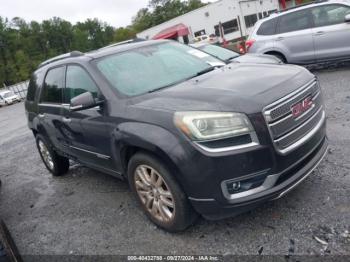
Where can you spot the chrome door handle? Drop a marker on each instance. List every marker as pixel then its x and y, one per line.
pixel 66 119
pixel 41 115
pixel 279 38
pixel 319 33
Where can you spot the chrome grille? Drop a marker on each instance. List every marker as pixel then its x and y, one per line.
pixel 287 131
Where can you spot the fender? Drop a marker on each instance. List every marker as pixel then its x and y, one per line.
pixel 156 140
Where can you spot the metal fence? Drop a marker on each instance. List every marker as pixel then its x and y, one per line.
pixel 19 89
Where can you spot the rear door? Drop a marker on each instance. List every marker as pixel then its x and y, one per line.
pixel 331 33
pixel 294 37
pixel 50 105
pixel 86 133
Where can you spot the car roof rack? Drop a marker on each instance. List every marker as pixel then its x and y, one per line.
pixel 306 4
pixel 61 57
pixel 130 41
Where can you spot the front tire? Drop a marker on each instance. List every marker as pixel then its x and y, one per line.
pixel 56 164
pixel 158 193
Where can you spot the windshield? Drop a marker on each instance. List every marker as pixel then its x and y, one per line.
pixel 153 67
pixel 8 94
pixel 219 52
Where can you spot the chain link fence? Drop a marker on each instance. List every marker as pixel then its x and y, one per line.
pixel 19 89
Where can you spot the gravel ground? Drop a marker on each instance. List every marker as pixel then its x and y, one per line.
pixel 88 213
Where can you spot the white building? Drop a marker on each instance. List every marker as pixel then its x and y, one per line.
pixel 205 20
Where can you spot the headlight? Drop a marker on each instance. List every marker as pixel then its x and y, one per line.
pixel 203 126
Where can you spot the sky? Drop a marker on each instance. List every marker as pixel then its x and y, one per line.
pixel 115 12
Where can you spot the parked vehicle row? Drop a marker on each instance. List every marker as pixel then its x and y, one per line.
pixel 315 32
pixel 229 56
pixel 189 133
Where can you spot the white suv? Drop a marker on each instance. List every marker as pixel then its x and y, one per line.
pixel 311 33
pixel 8 98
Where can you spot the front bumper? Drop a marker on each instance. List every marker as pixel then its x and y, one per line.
pixel 285 182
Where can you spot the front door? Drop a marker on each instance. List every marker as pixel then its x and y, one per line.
pixel 331 33
pixel 86 133
pixel 294 37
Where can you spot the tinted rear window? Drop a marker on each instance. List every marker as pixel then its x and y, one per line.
pixel 268 27
pixel 53 86
pixel 34 85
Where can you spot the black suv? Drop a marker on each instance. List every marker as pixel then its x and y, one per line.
pixel 189 137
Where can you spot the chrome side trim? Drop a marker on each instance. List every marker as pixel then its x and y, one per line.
pixel 50 105
pixel 254 138
pixel 75 107
pixel 306 176
pixel 94 153
pixel 201 199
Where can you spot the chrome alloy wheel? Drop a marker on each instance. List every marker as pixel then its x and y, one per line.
pixel 45 153
pixel 154 193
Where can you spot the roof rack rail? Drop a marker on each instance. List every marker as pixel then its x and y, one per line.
pixel 130 41
pixel 60 57
pixel 306 4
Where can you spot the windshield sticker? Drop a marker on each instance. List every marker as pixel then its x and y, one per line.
pixel 198 53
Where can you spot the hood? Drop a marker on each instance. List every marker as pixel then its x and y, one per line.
pixel 257 59
pixel 246 88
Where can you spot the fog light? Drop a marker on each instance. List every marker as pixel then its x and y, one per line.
pixel 234 187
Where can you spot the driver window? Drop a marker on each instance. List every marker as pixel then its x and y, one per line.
pixel 329 14
pixel 78 82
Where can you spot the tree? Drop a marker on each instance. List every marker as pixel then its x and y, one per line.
pixel 159 11
pixel 23 46
pixel 124 33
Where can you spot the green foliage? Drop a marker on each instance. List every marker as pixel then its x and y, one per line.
pixel 124 33
pixel 160 11
pixel 23 46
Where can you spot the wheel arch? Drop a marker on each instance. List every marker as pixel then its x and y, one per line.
pixel 278 54
pixel 130 138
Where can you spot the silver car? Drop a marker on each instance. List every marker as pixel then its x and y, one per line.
pixel 311 33
pixel 229 56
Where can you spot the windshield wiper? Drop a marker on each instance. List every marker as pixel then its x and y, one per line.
pixel 168 85
pixel 207 70
pixel 231 58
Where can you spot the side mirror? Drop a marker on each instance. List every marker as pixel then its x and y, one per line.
pixel 347 18
pixel 83 101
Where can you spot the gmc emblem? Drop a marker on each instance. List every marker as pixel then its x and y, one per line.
pixel 301 107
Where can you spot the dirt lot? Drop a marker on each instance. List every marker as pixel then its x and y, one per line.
pixel 86 212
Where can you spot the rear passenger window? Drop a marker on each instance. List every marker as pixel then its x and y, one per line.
pixel 34 84
pixel 267 28
pixel 78 81
pixel 53 85
pixel 295 21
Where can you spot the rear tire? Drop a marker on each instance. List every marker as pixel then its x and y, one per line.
pixel 56 164
pixel 158 193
